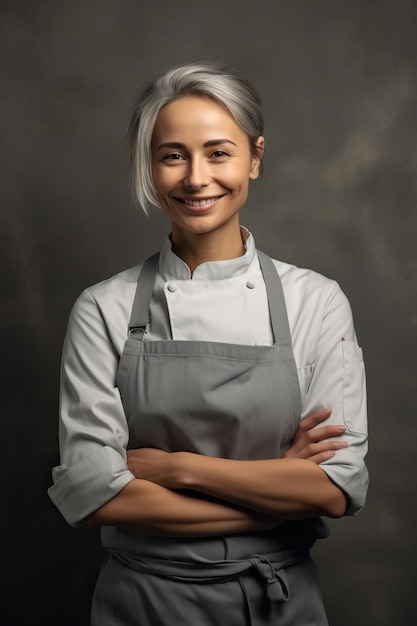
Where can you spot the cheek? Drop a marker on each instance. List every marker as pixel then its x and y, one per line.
pixel 242 179
pixel 160 182
pixel 237 177
pixel 165 181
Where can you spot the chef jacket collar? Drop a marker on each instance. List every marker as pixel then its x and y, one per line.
pixel 172 267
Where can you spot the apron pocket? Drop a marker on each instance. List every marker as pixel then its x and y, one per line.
pixel 305 374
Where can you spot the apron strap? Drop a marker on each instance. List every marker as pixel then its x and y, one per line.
pixel 146 281
pixel 276 301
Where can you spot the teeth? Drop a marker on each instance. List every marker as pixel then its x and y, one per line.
pixel 198 202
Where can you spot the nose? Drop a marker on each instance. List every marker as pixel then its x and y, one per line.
pixel 198 174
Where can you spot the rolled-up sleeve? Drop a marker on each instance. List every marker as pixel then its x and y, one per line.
pixel 338 382
pixel 93 432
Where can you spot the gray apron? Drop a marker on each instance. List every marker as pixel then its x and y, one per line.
pixel 222 400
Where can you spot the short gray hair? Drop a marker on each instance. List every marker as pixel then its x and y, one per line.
pixel 216 82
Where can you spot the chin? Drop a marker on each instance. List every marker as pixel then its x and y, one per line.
pixel 200 227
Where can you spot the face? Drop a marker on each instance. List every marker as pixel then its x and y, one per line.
pixel 201 166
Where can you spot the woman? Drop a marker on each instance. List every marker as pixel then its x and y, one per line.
pixel 182 391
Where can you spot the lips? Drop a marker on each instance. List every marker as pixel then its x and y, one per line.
pixel 199 203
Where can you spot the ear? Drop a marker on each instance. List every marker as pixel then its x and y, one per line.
pixel 257 158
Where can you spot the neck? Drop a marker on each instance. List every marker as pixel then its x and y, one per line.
pixel 195 249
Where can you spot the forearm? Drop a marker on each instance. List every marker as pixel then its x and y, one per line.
pixel 285 488
pixel 155 510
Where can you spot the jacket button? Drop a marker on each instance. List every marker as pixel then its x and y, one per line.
pixel 172 287
pixel 251 284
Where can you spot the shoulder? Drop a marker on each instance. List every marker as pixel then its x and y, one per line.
pixel 310 295
pixel 107 303
pixel 116 286
pixel 305 283
pixel 113 289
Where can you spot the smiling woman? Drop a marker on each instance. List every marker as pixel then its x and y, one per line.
pixel 201 166
pixel 205 392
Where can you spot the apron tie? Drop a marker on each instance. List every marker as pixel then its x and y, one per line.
pixel 276 580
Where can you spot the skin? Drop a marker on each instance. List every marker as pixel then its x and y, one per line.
pixel 202 165
pixel 199 152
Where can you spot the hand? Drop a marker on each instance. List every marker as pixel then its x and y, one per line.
pixel 154 465
pixel 313 443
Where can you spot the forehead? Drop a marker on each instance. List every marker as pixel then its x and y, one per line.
pixel 195 116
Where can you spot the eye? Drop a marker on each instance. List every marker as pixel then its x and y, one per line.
pixel 173 156
pixel 218 154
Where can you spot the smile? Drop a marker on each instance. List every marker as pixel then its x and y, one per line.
pixel 199 203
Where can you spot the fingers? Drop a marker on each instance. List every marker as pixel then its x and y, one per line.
pixel 322 457
pixel 304 440
pixel 308 431
pixel 315 418
pixel 314 442
pixel 324 432
pixel 317 452
pixel 326 450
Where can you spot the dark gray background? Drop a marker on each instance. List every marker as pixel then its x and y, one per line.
pixel 338 80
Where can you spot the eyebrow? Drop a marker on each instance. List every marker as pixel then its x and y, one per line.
pixel 207 144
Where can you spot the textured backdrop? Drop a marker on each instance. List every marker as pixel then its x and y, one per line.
pixel 338 195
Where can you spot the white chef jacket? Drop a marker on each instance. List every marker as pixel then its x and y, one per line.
pixel 224 301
